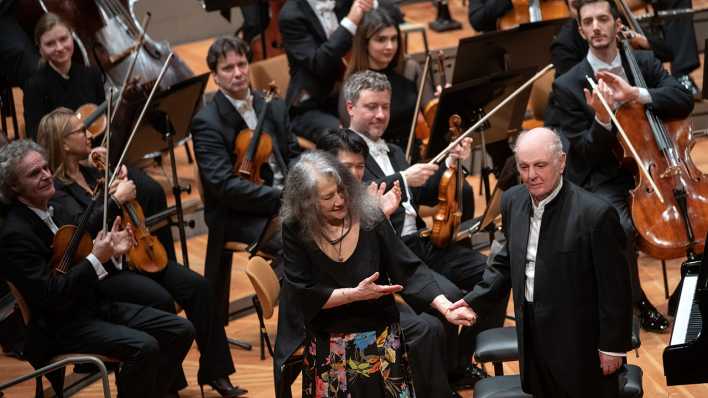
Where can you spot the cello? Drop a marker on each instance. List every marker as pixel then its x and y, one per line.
pixel 669 203
pixel 448 217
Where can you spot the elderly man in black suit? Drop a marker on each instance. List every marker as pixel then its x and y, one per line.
pixel 317 34
pixel 563 257
pixel 590 137
pixel 237 209
pixel 67 313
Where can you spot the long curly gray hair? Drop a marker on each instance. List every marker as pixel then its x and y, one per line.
pixel 301 197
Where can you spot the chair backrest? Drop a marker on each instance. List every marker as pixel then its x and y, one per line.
pixel 540 91
pixel 24 307
pixel 198 180
pixel 268 70
pixel 265 283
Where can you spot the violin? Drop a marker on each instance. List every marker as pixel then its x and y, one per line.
pixel 669 204
pixel 447 219
pixel 71 244
pixel 419 128
pixel 148 255
pixel 526 11
pixel 253 148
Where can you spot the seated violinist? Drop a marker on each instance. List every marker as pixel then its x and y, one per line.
pixel 238 208
pixel 68 314
pixel 67 144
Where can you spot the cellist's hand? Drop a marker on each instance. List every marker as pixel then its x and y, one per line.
pixel 636 40
pixel 621 90
pixel 593 101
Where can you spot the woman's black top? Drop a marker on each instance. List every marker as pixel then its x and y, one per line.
pixel 47 90
pixel 314 277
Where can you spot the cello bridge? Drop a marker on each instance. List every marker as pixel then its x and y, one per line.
pixel 671 171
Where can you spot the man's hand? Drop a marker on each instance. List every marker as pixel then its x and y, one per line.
pixel 358 9
pixel 610 363
pixel 460 313
pixel 621 90
pixel 121 240
pixel 462 150
pixel 102 247
pixel 419 173
pixel 593 101
pixel 388 201
pixel 367 289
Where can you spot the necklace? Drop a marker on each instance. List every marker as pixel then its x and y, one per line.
pixel 339 240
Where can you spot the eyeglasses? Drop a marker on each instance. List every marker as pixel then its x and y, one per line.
pixel 82 129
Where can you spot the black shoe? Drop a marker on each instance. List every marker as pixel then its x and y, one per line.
pixel 223 386
pixel 467 378
pixel 690 85
pixel 650 318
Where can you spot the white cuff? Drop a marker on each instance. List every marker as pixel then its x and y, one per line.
pixel 118 263
pixel 644 96
pixel 97 266
pixel 348 25
pixel 614 354
pixel 607 126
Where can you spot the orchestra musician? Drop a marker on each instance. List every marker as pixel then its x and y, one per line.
pixel 483 14
pixel 377 47
pixel 317 34
pixel 235 208
pixel 563 258
pixel 67 313
pixel 368 98
pixel 342 258
pixel 587 131
pixel 62 135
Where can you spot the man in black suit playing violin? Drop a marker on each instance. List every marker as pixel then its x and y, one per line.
pixel 67 313
pixel 236 208
pixel 588 134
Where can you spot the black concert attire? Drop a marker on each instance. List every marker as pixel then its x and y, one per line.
pixel 483 14
pixel 236 209
pixel 578 301
pixel 160 290
pixel 348 334
pixel 47 90
pixel 18 56
pixel 316 66
pixel 68 314
pixel 680 37
pixel 591 162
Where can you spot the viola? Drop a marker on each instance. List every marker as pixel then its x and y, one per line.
pixel 252 147
pixel 148 255
pixel 448 217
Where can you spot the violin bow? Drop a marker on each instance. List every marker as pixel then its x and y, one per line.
pixel 107 140
pixel 142 114
pixel 411 136
pixel 626 140
pixel 439 158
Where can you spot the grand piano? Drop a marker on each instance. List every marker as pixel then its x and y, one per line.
pixel 686 356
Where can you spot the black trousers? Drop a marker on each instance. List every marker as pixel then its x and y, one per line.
pixel 680 36
pixel 18 57
pixel 617 194
pixel 538 376
pixel 425 338
pixel 150 343
pixel 194 294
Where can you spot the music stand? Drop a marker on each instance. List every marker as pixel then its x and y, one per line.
pixel 524 46
pixel 167 120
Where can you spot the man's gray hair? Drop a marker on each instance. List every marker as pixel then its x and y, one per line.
pixel 301 196
pixel 364 80
pixel 555 148
pixel 10 157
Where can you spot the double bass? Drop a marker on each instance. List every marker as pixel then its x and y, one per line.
pixel 669 204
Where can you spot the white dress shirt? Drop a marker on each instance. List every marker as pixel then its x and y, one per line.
pixel 324 9
pixel 615 67
pixel 46 216
pixel 378 150
pixel 248 113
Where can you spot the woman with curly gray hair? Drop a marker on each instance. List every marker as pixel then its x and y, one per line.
pixel 336 245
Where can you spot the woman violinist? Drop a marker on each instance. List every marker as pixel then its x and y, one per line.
pixel 66 142
pixel 376 46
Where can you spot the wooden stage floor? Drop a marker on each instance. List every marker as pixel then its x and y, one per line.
pixel 257 375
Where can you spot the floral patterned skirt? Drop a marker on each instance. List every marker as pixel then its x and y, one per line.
pixel 368 364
